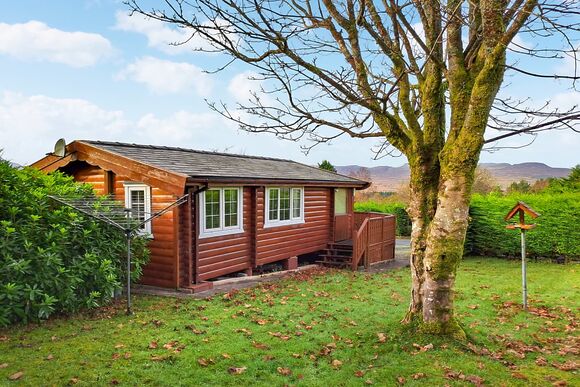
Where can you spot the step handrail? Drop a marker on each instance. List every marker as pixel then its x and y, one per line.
pixel 359 243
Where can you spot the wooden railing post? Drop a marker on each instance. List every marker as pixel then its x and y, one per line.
pixel 366 253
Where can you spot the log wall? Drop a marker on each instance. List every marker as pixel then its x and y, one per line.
pixel 281 242
pixel 163 265
pixel 220 255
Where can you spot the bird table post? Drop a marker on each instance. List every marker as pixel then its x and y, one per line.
pixel 521 209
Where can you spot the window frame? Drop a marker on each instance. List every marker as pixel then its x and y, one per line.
pixel 130 187
pixel 222 230
pixel 277 222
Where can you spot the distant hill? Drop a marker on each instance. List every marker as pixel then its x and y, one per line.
pixel 389 178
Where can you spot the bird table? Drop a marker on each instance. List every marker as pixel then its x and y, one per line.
pixel 521 209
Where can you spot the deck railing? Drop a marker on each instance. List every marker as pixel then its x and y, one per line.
pixel 373 238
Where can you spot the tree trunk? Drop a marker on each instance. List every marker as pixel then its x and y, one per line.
pixel 422 205
pixel 444 252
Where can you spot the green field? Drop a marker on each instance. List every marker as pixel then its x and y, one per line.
pixel 322 328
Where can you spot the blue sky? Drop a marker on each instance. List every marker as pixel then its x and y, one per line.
pixel 86 70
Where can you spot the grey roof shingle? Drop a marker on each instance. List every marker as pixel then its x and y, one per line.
pixel 202 164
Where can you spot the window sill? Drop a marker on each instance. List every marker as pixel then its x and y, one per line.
pixel 211 234
pixel 271 224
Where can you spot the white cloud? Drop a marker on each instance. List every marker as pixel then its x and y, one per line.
pixel 30 125
pixel 36 41
pixel 243 85
pixel 170 39
pixel 164 77
pixel 159 35
pixel 519 44
pixel 186 129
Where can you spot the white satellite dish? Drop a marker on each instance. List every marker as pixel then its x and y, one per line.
pixel 60 148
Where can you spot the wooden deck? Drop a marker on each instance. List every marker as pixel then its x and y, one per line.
pixel 373 241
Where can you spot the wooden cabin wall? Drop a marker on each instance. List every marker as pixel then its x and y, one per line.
pixel 276 243
pixel 161 269
pixel 221 255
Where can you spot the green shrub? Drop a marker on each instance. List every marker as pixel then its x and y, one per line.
pixel 557 232
pixel 395 208
pixel 53 259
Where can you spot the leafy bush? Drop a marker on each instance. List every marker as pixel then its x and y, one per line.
pixel 395 208
pixel 53 259
pixel 556 234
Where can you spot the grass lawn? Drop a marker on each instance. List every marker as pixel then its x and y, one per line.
pixel 315 329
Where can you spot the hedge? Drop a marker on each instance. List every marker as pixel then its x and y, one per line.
pixel 557 232
pixel 52 259
pixel 395 208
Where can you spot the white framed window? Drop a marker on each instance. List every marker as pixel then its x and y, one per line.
pixel 138 199
pixel 221 211
pixel 284 205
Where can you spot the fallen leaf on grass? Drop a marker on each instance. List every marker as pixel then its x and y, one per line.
pixel 73 381
pixel 268 357
pixel 261 322
pixel 3 365
pixel 284 371
pixel 382 337
pixel 237 370
pixel 560 383
pixel 127 355
pixel 401 380
pixel 296 355
pixel 570 365
pixel 419 375
pixel 473 307
pixel 478 381
pixel 205 362
pixel 245 331
pixel 171 344
pixel 4 338
pixel 153 345
pixel 162 358
pixel 114 382
pixel 519 375
pixel 336 363
pixel 260 346
pixel 541 362
pixel 119 346
pixel 226 356
pixel 368 381
pixel 49 357
pixel 280 336
pixel 359 374
pixel 16 376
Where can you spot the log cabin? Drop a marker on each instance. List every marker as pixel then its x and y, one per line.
pixel 242 212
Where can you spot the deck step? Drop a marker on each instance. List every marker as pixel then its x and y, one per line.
pixel 339 253
pixel 335 263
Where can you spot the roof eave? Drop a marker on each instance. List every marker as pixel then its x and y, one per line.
pixel 252 181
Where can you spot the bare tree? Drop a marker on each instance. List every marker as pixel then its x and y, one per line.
pixel 389 70
pixel 483 181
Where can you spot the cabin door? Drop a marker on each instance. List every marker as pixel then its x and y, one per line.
pixel 342 215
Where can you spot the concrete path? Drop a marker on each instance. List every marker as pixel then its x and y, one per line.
pixel 402 251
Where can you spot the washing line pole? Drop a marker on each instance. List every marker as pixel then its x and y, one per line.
pixel 90 206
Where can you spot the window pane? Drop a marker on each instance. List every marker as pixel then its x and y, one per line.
pixel 212 209
pixel 138 205
pixel 296 202
pixel 284 203
pixel 230 207
pixel 340 201
pixel 273 213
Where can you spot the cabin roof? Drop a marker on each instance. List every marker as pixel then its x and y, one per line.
pixel 203 164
